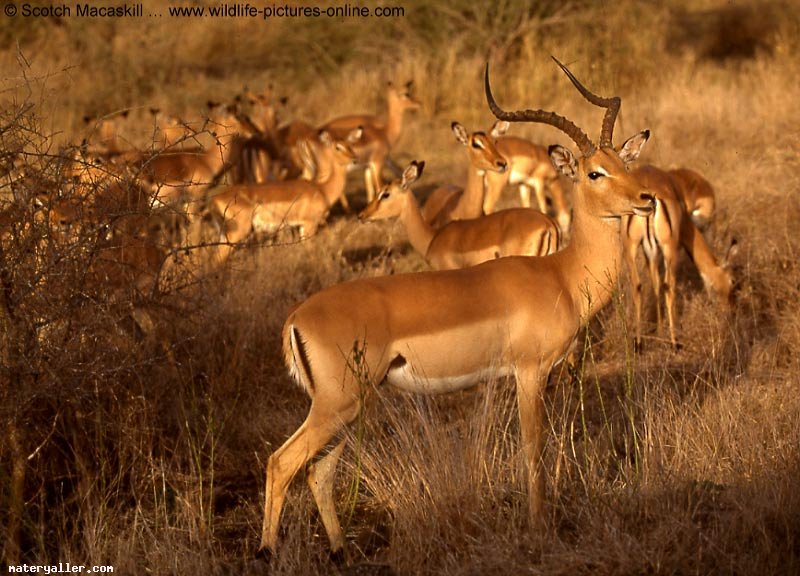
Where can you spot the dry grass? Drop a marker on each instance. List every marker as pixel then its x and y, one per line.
pixel 147 453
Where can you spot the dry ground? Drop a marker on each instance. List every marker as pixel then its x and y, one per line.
pixel 148 452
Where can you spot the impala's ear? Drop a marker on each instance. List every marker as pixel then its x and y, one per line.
pixel 563 160
pixel 411 174
pixel 307 156
pixel 355 135
pixel 500 128
pixel 632 147
pixel 461 133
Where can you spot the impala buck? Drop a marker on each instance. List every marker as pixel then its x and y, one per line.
pixel 680 201
pixel 462 243
pixel 434 332
pixel 302 203
pixel 448 203
pixel 529 167
pixel 380 135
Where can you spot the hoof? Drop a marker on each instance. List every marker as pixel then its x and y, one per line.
pixel 337 557
pixel 677 346
pixel 638 347
pixel 265 555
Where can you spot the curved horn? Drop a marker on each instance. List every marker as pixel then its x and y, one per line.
pixel 568 127
pixel 610 104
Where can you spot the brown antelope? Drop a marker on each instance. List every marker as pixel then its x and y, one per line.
pixel 449 203
pixel 260 109
pixel 461 243
pixel 661 234
pixel 529 167
pixel 433 332
pixel 380 135
pixel 302 203
pixel 697 195
pixel 105 135
pixel 169 131
pixel 187 174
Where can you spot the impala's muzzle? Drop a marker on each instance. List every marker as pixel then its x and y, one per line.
pixel 365 214
pixel 646 209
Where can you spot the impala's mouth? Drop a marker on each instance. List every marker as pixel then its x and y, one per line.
pixel 646 209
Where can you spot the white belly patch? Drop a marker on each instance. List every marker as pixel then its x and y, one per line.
pixel 405 378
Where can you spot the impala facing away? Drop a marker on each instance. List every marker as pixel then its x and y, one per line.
pixel 380 136
pixel 448 203
pixel 697 195
pixel 442 331
pixel 462 243
pixel 529 167
pixel 679 200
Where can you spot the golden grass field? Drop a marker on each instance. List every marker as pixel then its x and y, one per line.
pixel 147 452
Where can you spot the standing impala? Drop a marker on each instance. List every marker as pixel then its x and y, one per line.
pixel 529 167
pixel 461 243
pixel 443 331
pixel 380 135
pixel 679 200
pixel 448 203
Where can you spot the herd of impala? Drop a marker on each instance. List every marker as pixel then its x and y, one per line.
pixel 508 291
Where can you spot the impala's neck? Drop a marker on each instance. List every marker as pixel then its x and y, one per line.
pixel 220 152
pixel 591 262
pixel 420 233
pixel 394 121
pixel 332 183
pixel 471 203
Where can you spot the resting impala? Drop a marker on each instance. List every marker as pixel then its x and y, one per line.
pixel 461 243
pixel 661 234
pixel 189 173
pixel 380 135
pixel 442 331
pixel 273 205
pixel 449 203
pixel 529 167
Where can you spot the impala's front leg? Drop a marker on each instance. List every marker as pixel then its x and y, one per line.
pixel 531 422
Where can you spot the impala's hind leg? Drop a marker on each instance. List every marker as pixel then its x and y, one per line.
pixel 320 426
pixel 321 475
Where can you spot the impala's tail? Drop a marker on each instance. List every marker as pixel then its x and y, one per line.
pixel 295 355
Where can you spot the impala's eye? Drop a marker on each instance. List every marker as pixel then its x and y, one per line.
pixel 477 144
pixel 595 175
pixel 385 195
